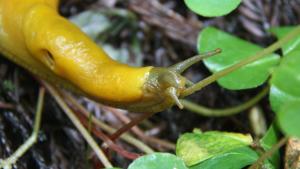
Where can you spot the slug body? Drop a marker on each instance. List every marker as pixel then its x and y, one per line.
pixel 35 36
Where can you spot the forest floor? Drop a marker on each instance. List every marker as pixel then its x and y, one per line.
pixel 147 32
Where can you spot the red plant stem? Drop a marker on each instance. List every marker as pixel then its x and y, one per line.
pixel 129 125
pixel 136 130
pixel 106 139
pixel 123 118
pixel 6 106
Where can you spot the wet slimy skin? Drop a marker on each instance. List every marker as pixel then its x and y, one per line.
pixel 36 37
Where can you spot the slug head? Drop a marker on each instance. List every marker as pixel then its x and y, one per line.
pixel 165 86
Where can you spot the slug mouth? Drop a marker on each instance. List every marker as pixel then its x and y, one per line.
pixel 165 86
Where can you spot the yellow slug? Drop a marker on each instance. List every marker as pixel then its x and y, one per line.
pixel 35 36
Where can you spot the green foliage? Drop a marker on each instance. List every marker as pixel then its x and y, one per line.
pixel 270 139
pixel 280 32
pixel 233 159
pixel 216 149
pixel 289 118
pixel 211 8
pixel 194 148
pixel 285 81
pixel 285 93
pixel 158 161
pixel 233 51
pixel 279 98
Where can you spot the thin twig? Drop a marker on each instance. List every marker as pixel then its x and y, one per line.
pixel 78 125
pixel 136 130
pixel 106 139
pixel 126 137
pixel 122 118
pixel 132 123
pixel 6 105
pixel 11 160
pixel 171 23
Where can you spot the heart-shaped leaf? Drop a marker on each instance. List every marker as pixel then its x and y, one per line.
pixel 211 8
pixel 233 51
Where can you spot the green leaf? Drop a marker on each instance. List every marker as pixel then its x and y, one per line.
pixel 158 161
pixel 211 8
pixel 292 44
pixel 270 139
pixel 194 148
pixel 289 118
pixel 285 81
pixel 91 22
pixel 234 159
pixel 278 97
pixel 233 51
pixel 119 54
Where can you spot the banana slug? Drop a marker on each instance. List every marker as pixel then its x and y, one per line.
pixel 36 37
